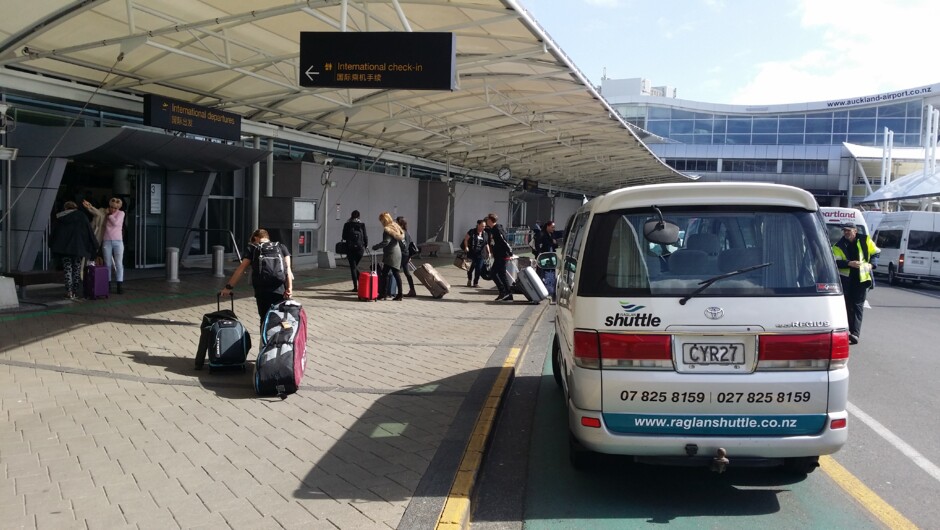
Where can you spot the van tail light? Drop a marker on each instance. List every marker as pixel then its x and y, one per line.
pixel 622 351
pixel 586 350
pixel 818 351
pixel 901 263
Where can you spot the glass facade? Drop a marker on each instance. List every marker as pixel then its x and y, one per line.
pixel 863 126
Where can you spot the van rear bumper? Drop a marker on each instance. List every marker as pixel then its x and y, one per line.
pixel 603 440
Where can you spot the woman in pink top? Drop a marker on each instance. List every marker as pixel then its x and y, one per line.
pixel 111 234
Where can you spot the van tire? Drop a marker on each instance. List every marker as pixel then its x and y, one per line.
pixel 556 362
pixel 892 275
pixel 580 457
pixel 801 466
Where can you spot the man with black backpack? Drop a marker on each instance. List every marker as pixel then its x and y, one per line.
pixel 271 274
pixel 354 234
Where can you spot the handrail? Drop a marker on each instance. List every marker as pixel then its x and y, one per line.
pixel 230 233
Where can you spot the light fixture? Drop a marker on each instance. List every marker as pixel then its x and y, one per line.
pixel 8 153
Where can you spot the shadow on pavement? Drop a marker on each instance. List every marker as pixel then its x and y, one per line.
pixel 228 383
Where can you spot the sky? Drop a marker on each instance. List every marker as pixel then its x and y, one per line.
pixel 750 52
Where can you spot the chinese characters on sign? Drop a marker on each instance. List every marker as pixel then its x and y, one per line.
pixel 417 61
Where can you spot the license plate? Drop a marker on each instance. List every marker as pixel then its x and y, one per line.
pixel 713 353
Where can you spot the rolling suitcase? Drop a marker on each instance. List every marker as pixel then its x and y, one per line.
pixel 223 339
pixel 369 284
pixel 283 357
pixel 432 280
pixel 530 285
pixel 96 282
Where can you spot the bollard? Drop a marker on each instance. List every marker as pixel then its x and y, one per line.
pixel 172 264
pixel 218 255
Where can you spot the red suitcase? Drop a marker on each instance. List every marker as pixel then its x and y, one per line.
pixel 96 282
pixel 369 284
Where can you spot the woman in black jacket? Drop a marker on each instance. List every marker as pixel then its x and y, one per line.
pixel 406 257
pixel 72 239
pixel 354 234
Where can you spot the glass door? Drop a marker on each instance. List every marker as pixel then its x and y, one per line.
pixel 215 227
pixel 149 214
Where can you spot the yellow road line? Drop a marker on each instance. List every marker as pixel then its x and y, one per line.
pixel 864 495
pixel 456 512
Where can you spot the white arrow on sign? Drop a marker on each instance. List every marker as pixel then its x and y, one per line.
pixel 310 74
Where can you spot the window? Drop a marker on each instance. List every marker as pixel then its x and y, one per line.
pixel 888 239
pixel 765 125
pixel 923 240
pixel 617 260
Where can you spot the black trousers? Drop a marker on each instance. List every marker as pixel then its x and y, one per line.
pixel 354 259
pixel 854 293
pixel 265 300
pixel 476 265
pixel 385 287
pixel 408 276
pixel 500 276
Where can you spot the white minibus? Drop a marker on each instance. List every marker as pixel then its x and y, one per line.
pixel 835 216
pixel 910 246
pixel 728 346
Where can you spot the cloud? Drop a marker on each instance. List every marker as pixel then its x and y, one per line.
pixel 867 47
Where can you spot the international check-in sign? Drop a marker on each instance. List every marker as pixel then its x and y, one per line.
pixel 411 61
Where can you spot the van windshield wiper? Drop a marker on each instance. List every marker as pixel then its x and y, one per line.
pixel 706 283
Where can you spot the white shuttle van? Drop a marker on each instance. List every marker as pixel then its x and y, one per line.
pixel 910 246
pixel 835 216
pixel 731 349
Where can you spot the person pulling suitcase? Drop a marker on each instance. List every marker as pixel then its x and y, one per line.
pixel 271 274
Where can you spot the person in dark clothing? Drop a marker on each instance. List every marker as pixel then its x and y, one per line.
pixel 354 234
pixel 502 252
pixel 545 240
pixel 476 245
pixel 72 240
pixel 406 257
pixel 853 253
pixel 392 238
pixel 265 258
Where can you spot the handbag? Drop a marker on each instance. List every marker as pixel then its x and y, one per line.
pixel 485 270
pixel 462 263
pixel 341 248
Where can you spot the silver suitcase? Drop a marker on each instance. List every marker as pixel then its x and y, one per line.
pixel 531 285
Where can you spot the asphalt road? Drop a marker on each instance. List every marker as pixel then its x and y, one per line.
pixel 891 476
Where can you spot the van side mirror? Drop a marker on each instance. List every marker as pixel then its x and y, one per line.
pixel 547 260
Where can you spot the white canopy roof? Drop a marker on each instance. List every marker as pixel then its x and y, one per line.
pixel 913 186
pixel 520 101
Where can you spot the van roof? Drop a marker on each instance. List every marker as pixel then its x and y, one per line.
pixel 725 193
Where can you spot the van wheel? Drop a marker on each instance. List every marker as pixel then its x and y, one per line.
pixel 892 276
pixel 556 362
pixel 802 465
pixel 580 457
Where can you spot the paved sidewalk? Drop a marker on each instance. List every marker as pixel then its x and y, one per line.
pixel 105 423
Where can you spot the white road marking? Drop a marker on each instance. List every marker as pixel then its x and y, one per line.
pixel 896 441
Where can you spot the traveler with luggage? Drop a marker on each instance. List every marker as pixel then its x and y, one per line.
pixel 476 245
pixel 109 228
pixel 406 256
pixel 354 234
pixel 392 241
pixel 72 240
pixel 502 253
pixel 271 274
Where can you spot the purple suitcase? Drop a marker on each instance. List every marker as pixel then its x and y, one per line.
pixel 96 282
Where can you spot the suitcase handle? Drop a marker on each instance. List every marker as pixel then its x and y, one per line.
pixel 218 301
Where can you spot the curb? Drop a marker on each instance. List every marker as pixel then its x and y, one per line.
pixel 457 506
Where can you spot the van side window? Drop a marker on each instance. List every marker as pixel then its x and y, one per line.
pixel 923 240
pixel 888 239
pixel 573 247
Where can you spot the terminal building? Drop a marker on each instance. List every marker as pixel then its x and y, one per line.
pixel 832 148
pixel 515 129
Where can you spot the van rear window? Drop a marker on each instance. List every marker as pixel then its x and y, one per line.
pixel 789 249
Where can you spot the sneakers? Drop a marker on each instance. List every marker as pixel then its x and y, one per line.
pixel 853 339
pixel 504 297
pixel 475 285
pixel 469 284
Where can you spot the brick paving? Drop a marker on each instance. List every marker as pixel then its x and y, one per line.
pixel 105 423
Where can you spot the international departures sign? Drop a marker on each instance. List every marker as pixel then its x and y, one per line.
pixel 176 115
pixel 361 59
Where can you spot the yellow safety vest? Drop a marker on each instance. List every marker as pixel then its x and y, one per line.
pixel 864 271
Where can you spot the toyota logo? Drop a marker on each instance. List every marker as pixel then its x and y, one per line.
pixel 714 313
